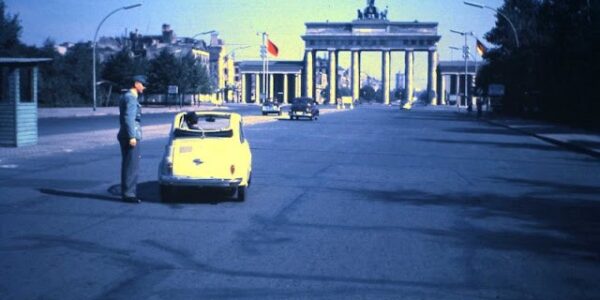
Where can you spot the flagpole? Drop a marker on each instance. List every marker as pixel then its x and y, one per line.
pixel 264 55
pixel 268 90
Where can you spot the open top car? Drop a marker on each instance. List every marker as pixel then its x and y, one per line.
pixel 270 107
pixel 206 150
pixel 304 107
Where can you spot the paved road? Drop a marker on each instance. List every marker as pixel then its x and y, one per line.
pixel 62 125
pixel 372 203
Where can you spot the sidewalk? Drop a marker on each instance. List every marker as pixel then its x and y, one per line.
pixel 573 139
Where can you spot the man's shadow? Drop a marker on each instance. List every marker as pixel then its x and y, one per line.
pixel 149 192
pixel 74 194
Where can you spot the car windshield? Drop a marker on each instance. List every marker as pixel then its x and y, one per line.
pixel 193 125
pixel 302 101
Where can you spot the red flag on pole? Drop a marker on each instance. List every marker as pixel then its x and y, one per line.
pixel 272 48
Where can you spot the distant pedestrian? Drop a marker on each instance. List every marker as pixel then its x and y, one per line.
pixel 129 136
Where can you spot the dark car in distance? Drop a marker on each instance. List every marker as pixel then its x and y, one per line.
pixel 304 107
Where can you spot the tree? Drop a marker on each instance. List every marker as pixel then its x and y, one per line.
pixel 55 88
pixel 120 68
pixel 78 71
pixel 399 93
pixel 367 93
pixel 340 92
pixel 187 73
pixel 10 32
pixel 193 76
pixel 554 70
pixel 163 71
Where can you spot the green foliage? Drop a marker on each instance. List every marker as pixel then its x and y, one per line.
pixel 553 72
pixel 367 93
pixel 194 76
pixel 187 73
pixel 340 92
pixel 66 80
pixel 10 32
pixel 163 71
pixel 120 68
pixel 343 92
pixel 399 93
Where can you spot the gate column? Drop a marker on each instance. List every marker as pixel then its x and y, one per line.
pixel 408 75
pixel 385 69
pixel 257 88
pixel 332 76
pixel 355 75
pixel 243 88
pixel 432 62
pixel 285 88
pixel 309 69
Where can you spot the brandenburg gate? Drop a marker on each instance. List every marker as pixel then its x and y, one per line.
pixel 371 31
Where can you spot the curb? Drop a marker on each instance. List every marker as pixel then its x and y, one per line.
pixel 562 144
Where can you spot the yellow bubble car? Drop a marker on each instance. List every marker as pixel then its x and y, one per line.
pixel 206 150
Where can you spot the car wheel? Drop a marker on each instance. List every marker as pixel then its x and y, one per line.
pixel 166 193
pixel 241 193
pixel 264 113
pixel 291 117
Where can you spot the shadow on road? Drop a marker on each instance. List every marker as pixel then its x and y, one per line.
pixel 149 191
pixel 72 194
pixel 505 145
pixel 479 130
pixel 559 220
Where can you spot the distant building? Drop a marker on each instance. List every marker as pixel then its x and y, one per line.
pixel 368 80
pixel 222 68
pixel 168 36
pixel 282 84
pixel 451 81
pixel 400 81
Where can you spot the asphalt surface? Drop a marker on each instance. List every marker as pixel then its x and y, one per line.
pixel 66 125
pixel 373 203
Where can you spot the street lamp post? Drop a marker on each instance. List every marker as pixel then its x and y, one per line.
pixel 94 46
pixel 501 14
pixel 466 57
pixel 474 59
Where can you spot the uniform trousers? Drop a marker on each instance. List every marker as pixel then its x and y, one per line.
pixel 130 165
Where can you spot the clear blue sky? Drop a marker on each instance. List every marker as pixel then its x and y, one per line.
pixel 237 21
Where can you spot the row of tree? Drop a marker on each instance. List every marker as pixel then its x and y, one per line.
pixel 554 71
pixel 66 80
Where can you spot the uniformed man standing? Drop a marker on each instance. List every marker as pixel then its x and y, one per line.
pixel 129 136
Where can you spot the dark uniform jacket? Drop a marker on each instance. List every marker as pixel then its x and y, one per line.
pixel 130 116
